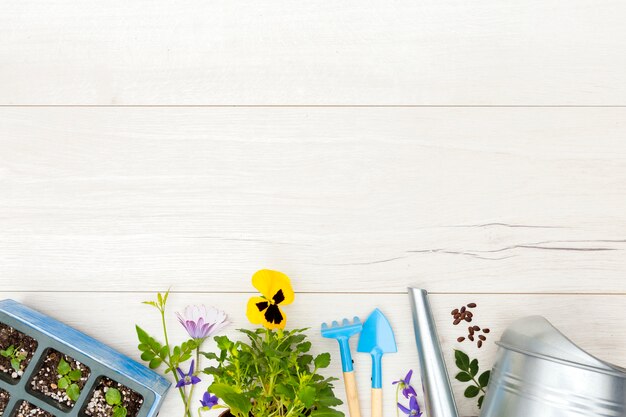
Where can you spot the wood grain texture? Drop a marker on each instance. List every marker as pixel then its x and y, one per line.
pixel 595 322
pixel 356 52
pixel 503 200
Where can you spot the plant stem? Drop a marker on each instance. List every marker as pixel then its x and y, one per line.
pixel 478 384
pixel 169 355
pixel 398 400
pixel 189 398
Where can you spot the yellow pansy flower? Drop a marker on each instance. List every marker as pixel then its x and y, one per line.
pixel 276 290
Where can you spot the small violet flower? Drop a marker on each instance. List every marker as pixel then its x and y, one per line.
pixel 208 401
pixel 187 378
pixel 413 410
pixel 405 384
pixel 202 322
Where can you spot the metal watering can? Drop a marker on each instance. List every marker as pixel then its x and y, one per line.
pixel 538 372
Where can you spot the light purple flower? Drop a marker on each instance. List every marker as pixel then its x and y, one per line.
pixel 202 322
pixel 208 401
pixel 187 378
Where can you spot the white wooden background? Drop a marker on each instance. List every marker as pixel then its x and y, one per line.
pixel 476 149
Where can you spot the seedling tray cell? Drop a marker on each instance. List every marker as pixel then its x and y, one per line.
pixel 102 361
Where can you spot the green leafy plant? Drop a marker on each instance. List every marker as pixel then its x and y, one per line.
pixel 68 379
pixel 272 374
pixel 469 371
pixel 15 355
pixel 113 397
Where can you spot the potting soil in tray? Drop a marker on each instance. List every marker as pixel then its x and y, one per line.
pixel 46 380
pixel 4 400
pixel 26 409
pixel 97 405
pixel 14 344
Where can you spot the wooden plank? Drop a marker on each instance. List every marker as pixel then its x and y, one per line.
pixel 356 52
pixel 349 200
pixel 594 322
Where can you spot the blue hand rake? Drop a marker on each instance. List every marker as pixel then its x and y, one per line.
pixel 342 333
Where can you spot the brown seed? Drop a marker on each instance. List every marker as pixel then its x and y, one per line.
pixel 480 344
pixel 476 328
pixel 460 339
pixel 472 305
pixel 457 316
pixel 481 337
pixel 455 312
pixel 469 313
pixel 470 330
pixel 463 309
pixel 457 321
pixel 468 319
pixel 485 330
pixel 470 337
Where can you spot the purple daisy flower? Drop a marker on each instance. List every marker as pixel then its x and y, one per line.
pixel 413 410
pixel 187 378
pixel 405 384
pixel 208 401
pixel 202 322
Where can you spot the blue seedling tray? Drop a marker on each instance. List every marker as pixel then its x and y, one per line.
pixel 102 360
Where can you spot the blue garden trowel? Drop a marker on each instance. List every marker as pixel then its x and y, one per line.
pixel 376 339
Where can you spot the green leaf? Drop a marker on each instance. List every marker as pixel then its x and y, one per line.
pixel 142 335
pixel 160 298
pixel 463 377
pixel 113 396
pixel 304 347
pixel 307 396
pixel 473 367
pixel 155 363
pixel 63 383
pixel 73 391
pixel 239 403
pixel 75 375
pixel 143 347
pixel 119 412
pixel 483 379
pixel 10 350
pixel 223 342
pixel 147 356
pixel 326 412
pixel 471 391
pixel 462 360
pixel 15 364
pixel 150 303
pixel 4 353
pixel 164 352
pixel 480 401
pixel 322 360
pixel 63 368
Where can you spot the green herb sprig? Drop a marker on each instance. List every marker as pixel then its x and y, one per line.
pixel 272 374
pixel 15 355
pixel 469 372
pixel 113 397
pixel 69 378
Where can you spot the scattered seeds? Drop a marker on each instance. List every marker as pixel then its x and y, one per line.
pixel 464 314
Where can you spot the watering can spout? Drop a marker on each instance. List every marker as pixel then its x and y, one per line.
pixel 438 396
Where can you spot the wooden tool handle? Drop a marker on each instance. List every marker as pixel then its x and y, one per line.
pixel 377 402
pixel 352 394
